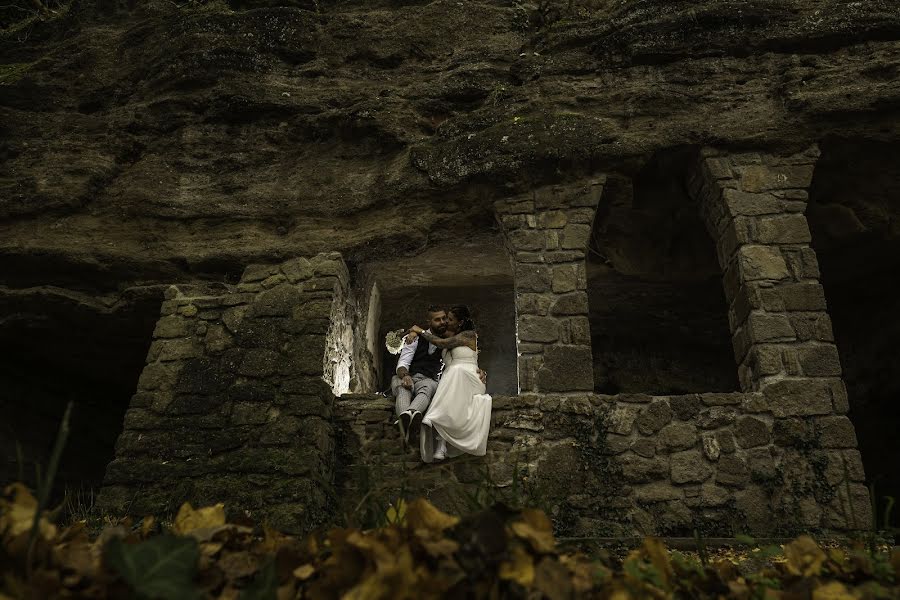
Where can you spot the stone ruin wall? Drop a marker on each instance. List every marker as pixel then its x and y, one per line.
pixel 233 405
pixel 236 410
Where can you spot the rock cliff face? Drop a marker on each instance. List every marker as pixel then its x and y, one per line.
pixel 161 143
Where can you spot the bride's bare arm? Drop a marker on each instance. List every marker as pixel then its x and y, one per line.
pixel 463 338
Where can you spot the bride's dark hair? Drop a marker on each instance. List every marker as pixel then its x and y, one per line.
pixel 462 314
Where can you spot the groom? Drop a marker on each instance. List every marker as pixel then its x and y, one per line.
pixel 418 369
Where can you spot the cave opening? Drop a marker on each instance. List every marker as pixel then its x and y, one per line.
pixel 854 218
pixel 476 273
pixel 61 347
pixel 658 314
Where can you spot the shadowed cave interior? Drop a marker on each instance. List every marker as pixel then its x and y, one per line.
pixel 63 348
pixel 659 320
pixel 854 218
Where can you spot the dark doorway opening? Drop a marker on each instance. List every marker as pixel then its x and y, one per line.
pixel 59 347
pixel 854 217
pixel 659 319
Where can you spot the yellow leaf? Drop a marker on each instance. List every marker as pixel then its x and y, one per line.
pixel 803 557
pixel 396 514
pixel 17 514
pixel 520 569
pixel 659 557
pixel 189 519
pixel 421 514
pixel 304 572
pixel 833 590
pixel 147 525
pixel 537 529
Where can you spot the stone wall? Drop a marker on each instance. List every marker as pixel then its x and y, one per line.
pixel 232 405
pixel 547 233
pixel 622 465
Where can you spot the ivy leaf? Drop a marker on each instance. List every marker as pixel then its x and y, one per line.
pixel 162 567
pixel 264 586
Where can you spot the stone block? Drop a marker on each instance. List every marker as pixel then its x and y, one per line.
pixel 552 219
pixel 259 362
pixel 644 447
pixel 526 239
pixel 690 467
pixel 574 237
pixel 580 215
pixel 726 441
pixel 156 376
pixel 711 447
pixel 722 399
pixel 171 326
pixel 617 444
pixel 763 178
pixel 140 418
pixel 732 471
pixel 529 257
pixel 532 328
pixel 620 420
pixel 304 355
pixel 793 432
pixel 276 279
pixel 564 279
pixel 761 262
pixel 566 369
pixel 748 204
pixel 511 222
pixel 854 465
pixel 818 360
pixel 836 432
pixel 685 408
pixel 297 270
pixel 765 327
pixel 513 207
pixel 839 396
pixel 533 304
pixel 637 469
pixel 798 397
pixel 716 416
pixel 676 436
pixel 766 359
pixel 815 326
pixel 756 508
pixel 193 404
pixel 217 339
pixel 783 229
pixel 751 432
pixel 178 349
pixel 575 330
pixel 533 278
pixel 255 273
pixel 575 303
pixel 279 301
pixel 717 168
pixel 657 492
pixel 791 297
pixel 653 418
pixel 234 316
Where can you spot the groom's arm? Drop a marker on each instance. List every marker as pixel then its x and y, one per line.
pixel 464 338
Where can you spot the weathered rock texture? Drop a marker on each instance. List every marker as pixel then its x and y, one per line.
pixel 162 144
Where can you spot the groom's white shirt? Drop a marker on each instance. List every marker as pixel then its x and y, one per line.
pixel 408 350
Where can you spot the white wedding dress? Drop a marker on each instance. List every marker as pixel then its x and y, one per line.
pixel 460 411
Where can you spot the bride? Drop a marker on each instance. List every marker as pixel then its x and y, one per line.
pixel 459 416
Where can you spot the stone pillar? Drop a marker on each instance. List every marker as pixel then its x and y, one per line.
pixel 233 405
pixel 753 206
pixel 547 233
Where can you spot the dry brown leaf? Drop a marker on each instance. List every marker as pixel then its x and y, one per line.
pixel 439 547
pixel 659 556
pixel 537 529
pixel 17 510
pixel 237 565
pixel 804 557
pixel 189 519
pixel 519 568
pixel 833 590
pixel 148 523
pixel 421 514
pixel 304 572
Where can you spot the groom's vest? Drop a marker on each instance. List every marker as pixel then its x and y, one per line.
pixel 428 364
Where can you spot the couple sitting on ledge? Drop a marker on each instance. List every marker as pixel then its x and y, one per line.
pixel 439 389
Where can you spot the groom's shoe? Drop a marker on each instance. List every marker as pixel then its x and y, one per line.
pixel 405 419
pixel 415 424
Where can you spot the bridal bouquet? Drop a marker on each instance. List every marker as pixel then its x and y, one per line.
pixel 394 340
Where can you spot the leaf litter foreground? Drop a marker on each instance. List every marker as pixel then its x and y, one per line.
pixel 421 553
